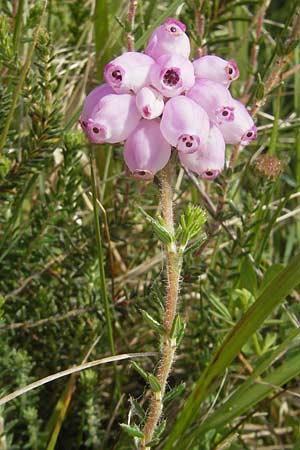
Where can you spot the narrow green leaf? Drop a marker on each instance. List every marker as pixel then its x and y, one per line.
pixel 220 307
pixel 139 370
pixel 191 248
pixel 248 278
pixel 180 335
pixel 154 324
pixel 176 327
pixel 137 409
pixel 163 234
pixel 270 298
pixel 132 431
pixel 153 443
pixel 160 429
pixel 176 392
pixel 260 91
pixel 154 383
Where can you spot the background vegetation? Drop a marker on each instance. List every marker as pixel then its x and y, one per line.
pixel 54 305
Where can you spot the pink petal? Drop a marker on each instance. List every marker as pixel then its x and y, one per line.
pixel 172 75
pixel 169 39
pixel 114 118
pixel 149 102
pixel 242 129
pixel 92 99
pixel 184 124
pixel 146 151
pixel 128 72
pixel 216 69
pixel 215 99
pixel 209 160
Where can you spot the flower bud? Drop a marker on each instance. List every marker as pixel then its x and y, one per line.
pixel 114 118
pixel 242 129
pixel 216 69
pixel 169 39
pixel 91 101
pixel 172 75
pixel 128 72
pixel 146 151
pixel 149 102
pixel 184 124
pixel 208 161
pixel 215 99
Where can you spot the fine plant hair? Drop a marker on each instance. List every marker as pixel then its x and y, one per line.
pixel 85 248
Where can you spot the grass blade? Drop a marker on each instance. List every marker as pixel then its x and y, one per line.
pixel 64 373
pixel 247 395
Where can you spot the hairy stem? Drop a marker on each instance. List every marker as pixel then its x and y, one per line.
pixel 174 263
pixel 131 18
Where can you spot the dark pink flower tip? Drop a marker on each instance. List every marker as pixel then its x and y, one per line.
pixel 172 75
pixel 174 26
pixel 188 143
pixel 232 70
pixel 210 174
pixel 226 113
pixel 216 69
pixel 113 119
pixel 128 72
pixel 100 131
pixel 169 39
pixel 249 136
pixel 208 161
pixel 91 101
pixel 145 175
pixel 146 151
pixel 184 124
pixel 149 102
pixel 242 129
pixel 215 98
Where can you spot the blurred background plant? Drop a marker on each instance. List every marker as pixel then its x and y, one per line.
pixel 54 300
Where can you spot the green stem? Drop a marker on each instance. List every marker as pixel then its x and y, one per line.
pixel 297 110
pixel 277 104
pixel 101 264
pixel 174 264
pixel 18 25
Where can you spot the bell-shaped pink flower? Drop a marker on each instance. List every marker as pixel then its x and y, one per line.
pixel 91 101
pixel 128 72
pixel 209 160
pixel 146 151
pixel 169 39
pixel 172 75
pixel 216 69
pixel 215 99
pixel 184 124
pixel 113 119
pixel 149 102
pixel 242 129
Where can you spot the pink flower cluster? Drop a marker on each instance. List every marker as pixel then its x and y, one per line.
pixel 159 99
